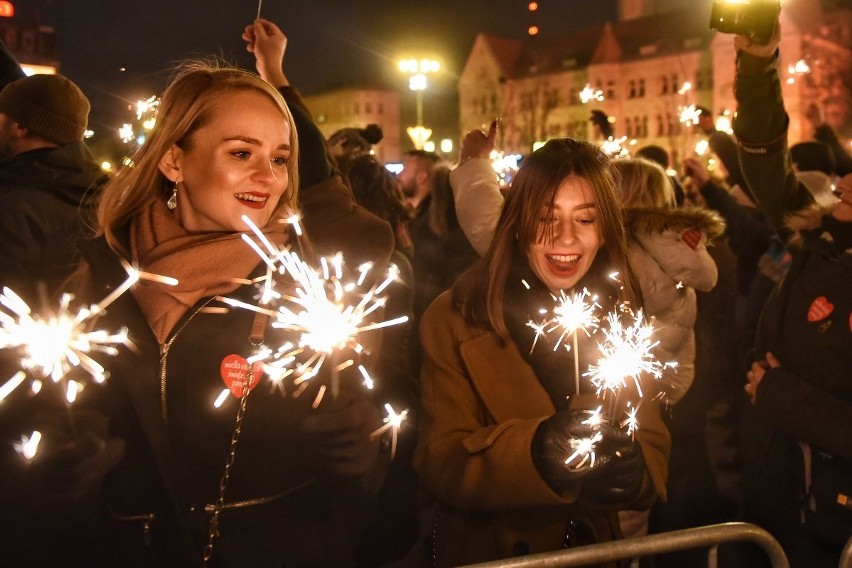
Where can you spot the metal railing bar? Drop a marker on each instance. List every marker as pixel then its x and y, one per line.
pixel 697 537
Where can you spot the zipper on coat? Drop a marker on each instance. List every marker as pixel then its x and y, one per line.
pixel 164 356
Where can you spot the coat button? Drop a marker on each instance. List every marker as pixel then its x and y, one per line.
pixel 520 548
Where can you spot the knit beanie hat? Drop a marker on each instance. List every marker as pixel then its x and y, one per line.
pixel 49 106
pixel 813 156
pixel 349 143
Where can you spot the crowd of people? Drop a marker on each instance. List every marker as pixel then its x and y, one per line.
pixel 516 440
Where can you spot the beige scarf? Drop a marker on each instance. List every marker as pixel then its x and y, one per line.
pixel 204 264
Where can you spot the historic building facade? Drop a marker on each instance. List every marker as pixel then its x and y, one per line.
pixel 356 108
pixel 659 56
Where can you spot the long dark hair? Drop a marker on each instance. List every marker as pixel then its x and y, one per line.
pixel 479 293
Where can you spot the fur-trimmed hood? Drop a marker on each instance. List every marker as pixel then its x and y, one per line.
pixel 807 219
pixel 659 219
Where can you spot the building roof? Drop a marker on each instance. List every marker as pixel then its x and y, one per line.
pixel 505 51
pixel 651 36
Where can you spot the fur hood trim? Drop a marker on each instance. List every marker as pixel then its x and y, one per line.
pixel 658 220
pixel 806 219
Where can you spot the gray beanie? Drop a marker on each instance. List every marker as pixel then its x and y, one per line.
pixel 49 106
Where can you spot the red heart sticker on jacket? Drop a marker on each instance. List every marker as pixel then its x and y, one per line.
pixel 820 309
pixel 691 237
pixel 235 370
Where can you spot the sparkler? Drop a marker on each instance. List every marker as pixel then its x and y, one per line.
pixel 53 345
pixel 614 147
pixel 688 114
pixel 327 312
pixel 259 4
pixel 572 314
pixel 590 94
pixel 584 448
pixel 626 353
pixel 28 446
pixel 801 67
pixel 393 422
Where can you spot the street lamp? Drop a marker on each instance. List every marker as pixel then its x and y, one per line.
pixel 417 70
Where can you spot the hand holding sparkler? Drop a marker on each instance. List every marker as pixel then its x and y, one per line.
pixel 75 454
pixel 565 448
pixel 268 43
pixel 625 471
pixel 341 436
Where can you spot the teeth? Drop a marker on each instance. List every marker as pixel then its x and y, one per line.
pixel 249 197
pixel 565 257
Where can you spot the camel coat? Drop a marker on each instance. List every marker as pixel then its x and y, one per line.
pixel 481 405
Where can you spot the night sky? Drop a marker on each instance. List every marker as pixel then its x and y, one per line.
pixel 331 42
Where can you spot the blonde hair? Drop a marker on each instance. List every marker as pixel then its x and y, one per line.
pixel 188 103
pixel 643 183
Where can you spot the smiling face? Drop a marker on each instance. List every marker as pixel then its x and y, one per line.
pixel 568 238
pixel 233 165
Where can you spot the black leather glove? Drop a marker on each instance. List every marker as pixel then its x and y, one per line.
pixel 75 454
pixel 339 434
pixel 555 441
pixel 625 472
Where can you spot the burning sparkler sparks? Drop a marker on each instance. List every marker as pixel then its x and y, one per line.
pixel 392 422
pixel 632 421
pixel 53 345
pixel 590 94
pixel 626 353
pixel 573 313
pixel 688 115
pixel 326 311
pixel 614 147
pixel 801 67
pixel 584 448
pixel 28 446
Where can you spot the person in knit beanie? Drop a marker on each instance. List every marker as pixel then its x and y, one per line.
pixel 350 143
pixel 39 111
pixel 48 182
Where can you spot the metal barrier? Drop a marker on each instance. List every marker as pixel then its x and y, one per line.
pixel 846 557
pixel 633 548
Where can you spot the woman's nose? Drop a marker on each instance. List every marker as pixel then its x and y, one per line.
pixel 266 172
pixel 564 232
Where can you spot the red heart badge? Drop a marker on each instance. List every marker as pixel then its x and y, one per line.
pixel 820 309
pixel 235 370
pixel 691 237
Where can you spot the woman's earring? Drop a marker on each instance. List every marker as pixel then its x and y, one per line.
pixel 172 202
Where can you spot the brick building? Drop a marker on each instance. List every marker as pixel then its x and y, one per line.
pixel 640 66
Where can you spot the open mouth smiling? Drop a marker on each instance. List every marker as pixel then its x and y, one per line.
pixel 253 200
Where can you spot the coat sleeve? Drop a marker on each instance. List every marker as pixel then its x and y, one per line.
pixel 463 457
pixel 788 402
pixel 478 201
pixel 761 130
pixel 314 161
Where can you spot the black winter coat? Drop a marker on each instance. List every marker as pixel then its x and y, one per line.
pixel 280 508
pixel 46 197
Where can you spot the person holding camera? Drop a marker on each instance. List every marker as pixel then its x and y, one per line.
pixel 796 430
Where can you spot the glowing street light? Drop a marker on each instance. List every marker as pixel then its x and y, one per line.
pixel 417 71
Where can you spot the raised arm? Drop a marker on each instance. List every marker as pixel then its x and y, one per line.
pixel 761 130
pixel 475 191
pixel 268 44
